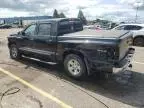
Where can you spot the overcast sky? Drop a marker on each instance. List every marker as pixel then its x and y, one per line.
pixel 109 9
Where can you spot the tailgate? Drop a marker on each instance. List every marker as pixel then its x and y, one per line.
pixel 124 46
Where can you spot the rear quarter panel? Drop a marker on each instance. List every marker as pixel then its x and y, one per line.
pixel 87 47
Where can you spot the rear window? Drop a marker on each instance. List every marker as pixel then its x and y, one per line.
pixel 132 27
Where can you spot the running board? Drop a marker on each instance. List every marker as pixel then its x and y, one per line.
pixel 51 63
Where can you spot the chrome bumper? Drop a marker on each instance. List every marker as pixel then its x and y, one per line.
pixel 125 64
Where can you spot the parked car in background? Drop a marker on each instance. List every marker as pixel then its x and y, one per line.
pixel 138 32
pixel 5 26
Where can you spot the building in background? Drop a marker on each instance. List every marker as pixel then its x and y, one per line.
pixel 22 21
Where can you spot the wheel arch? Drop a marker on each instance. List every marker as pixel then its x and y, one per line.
pixel 11 43
pixel 80 54
pixel 138 36
pixel 73 52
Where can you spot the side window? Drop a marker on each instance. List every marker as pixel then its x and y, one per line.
pixel 133 27
pixel 128 27
pixel 64 27
pixel 120 28
pixel 138 27
pixel 44 29
pixel 30 30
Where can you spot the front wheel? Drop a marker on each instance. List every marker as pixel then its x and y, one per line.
pixel 75 66
pixel 14 53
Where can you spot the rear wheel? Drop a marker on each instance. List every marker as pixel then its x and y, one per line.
pixel 139 41
pixel 14 53
pixel 75 66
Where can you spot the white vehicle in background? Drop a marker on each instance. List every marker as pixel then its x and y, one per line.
pixel 138 32
pixel 93 27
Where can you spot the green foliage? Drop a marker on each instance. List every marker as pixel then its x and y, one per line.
pixel 62 15
pixel 55 14
pixel 82 17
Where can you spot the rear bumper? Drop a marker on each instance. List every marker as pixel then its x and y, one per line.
pixel 124 64
pixel 115 66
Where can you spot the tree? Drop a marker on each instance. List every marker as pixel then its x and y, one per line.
pixel 20 23
pixel 55 14
pixel 97 20
pixel 62 15
pixel 4 21
pixel 81 16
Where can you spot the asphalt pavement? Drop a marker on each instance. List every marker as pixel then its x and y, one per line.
pixel 43 85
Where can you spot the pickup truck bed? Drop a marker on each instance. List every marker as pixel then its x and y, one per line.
pixel 101 37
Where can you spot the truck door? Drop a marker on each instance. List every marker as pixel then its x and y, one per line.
pixel 25 39
pixel 44 43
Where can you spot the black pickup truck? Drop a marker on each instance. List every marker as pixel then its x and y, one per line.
pixel 81 51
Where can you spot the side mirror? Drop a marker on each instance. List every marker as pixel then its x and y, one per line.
pixel 21 33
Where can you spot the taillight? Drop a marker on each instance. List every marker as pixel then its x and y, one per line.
pixel 110 53
pixel 106 53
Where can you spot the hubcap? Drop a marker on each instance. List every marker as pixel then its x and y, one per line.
pixel 74 67
pixel 14 52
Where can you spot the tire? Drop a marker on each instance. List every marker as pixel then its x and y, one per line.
pixel 139 41
pixel 75 66
pixel 14 53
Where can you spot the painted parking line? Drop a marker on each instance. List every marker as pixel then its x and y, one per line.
pixel 40 91
pixel 138 62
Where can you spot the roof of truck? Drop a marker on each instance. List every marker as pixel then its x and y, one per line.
pixel 58 19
